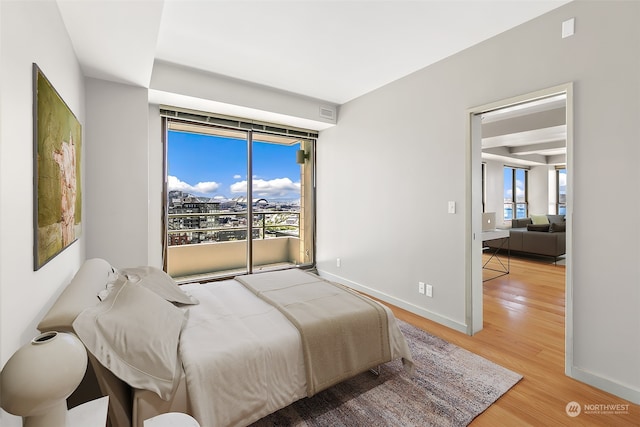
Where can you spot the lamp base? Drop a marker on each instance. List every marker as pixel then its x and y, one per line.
pixel 55 416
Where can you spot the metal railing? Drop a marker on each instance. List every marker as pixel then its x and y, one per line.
pixel 222 226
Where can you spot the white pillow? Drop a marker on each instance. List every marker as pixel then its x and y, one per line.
pixel 134 333
pixel 159 282
pixel 79 294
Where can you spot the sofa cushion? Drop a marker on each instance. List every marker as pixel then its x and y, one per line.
pixel 539 219
pixel 550 244
pixel 557 227
pixel 520 222
pixel 560 219
pixel 539 227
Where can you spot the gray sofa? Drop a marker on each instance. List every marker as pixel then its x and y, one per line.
pixel 545 239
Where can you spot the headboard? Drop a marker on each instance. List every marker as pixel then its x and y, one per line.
pixel 80 293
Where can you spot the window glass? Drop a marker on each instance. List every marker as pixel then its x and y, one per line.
pixel 561 191
pixel 515 193
pixel 508 193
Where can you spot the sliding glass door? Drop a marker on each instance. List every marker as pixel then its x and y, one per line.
pixel 226 184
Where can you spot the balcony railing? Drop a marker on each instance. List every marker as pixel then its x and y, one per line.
pixel 203 245
pixel 197 227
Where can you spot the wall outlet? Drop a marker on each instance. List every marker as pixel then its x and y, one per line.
pixel 429 291
pixel 338 262
pixel 421 287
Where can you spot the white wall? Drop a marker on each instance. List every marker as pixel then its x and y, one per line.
pixel 117 161
pixel 538 196
pixel 156 180
pixel 397 155
pixel 495 190
pixel 29 32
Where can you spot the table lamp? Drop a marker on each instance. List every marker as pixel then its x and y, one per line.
pixel 39 377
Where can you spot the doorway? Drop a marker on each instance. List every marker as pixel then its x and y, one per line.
pixel 533 147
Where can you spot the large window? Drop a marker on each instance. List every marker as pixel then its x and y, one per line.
pixel 515 193
pixel 561 191
pixel 225 183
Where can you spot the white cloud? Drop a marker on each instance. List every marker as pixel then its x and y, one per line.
pixel 201 188
pixel 562 180
pixel 519 189
pixel 237 176
pixel 274 188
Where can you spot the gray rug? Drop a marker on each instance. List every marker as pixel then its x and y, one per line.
pixel 451 387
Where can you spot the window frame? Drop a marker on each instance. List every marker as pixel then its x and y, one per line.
pixel 514 203
pixel 560 205
pixel 267 133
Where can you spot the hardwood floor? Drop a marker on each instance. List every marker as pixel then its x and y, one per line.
pixel 524 331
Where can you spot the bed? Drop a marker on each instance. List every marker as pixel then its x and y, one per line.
pixel 265 340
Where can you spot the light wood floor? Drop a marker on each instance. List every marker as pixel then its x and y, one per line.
pixel 524 331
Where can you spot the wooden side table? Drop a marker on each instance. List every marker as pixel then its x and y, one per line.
pixel 171 419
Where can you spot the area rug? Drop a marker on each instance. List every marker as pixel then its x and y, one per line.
pixel 451 386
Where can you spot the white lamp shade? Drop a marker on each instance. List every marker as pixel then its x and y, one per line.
pixel 42 374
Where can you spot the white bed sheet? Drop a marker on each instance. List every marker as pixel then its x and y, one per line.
pixel 243 359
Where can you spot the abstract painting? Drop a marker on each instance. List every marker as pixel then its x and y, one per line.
pixel 57 139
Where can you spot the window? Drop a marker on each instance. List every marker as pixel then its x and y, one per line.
pixel 515 193
pixel 229 180
pixel 561 191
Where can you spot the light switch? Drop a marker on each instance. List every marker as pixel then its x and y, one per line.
pixel 452 207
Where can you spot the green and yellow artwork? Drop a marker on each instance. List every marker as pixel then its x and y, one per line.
pixel 57 168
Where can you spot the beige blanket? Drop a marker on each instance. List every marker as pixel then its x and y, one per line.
pixel 343 333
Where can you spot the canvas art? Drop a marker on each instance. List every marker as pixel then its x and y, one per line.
pixel 57 136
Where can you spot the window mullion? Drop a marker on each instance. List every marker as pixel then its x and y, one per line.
pixel 249 201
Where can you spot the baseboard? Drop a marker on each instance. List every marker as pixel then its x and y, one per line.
pixel 626 392
pixel 420 311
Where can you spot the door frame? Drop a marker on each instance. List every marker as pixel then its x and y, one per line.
pixel 473 210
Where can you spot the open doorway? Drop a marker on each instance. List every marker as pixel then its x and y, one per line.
pixel 520 153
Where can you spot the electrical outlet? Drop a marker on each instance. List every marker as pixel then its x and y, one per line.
pixel 338 262
pixel 429 291
pixel 421 287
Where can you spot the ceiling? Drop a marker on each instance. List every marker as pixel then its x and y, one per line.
pixel 532 133
pixel 330 50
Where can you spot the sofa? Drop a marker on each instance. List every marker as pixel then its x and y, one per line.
pixel 535 236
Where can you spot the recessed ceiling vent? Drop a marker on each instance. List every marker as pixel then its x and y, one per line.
pixel 328 113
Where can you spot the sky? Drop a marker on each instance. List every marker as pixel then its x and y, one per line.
pixel 214 166
pixel 508 182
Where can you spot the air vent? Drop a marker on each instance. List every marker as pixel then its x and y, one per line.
pixel 328 113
